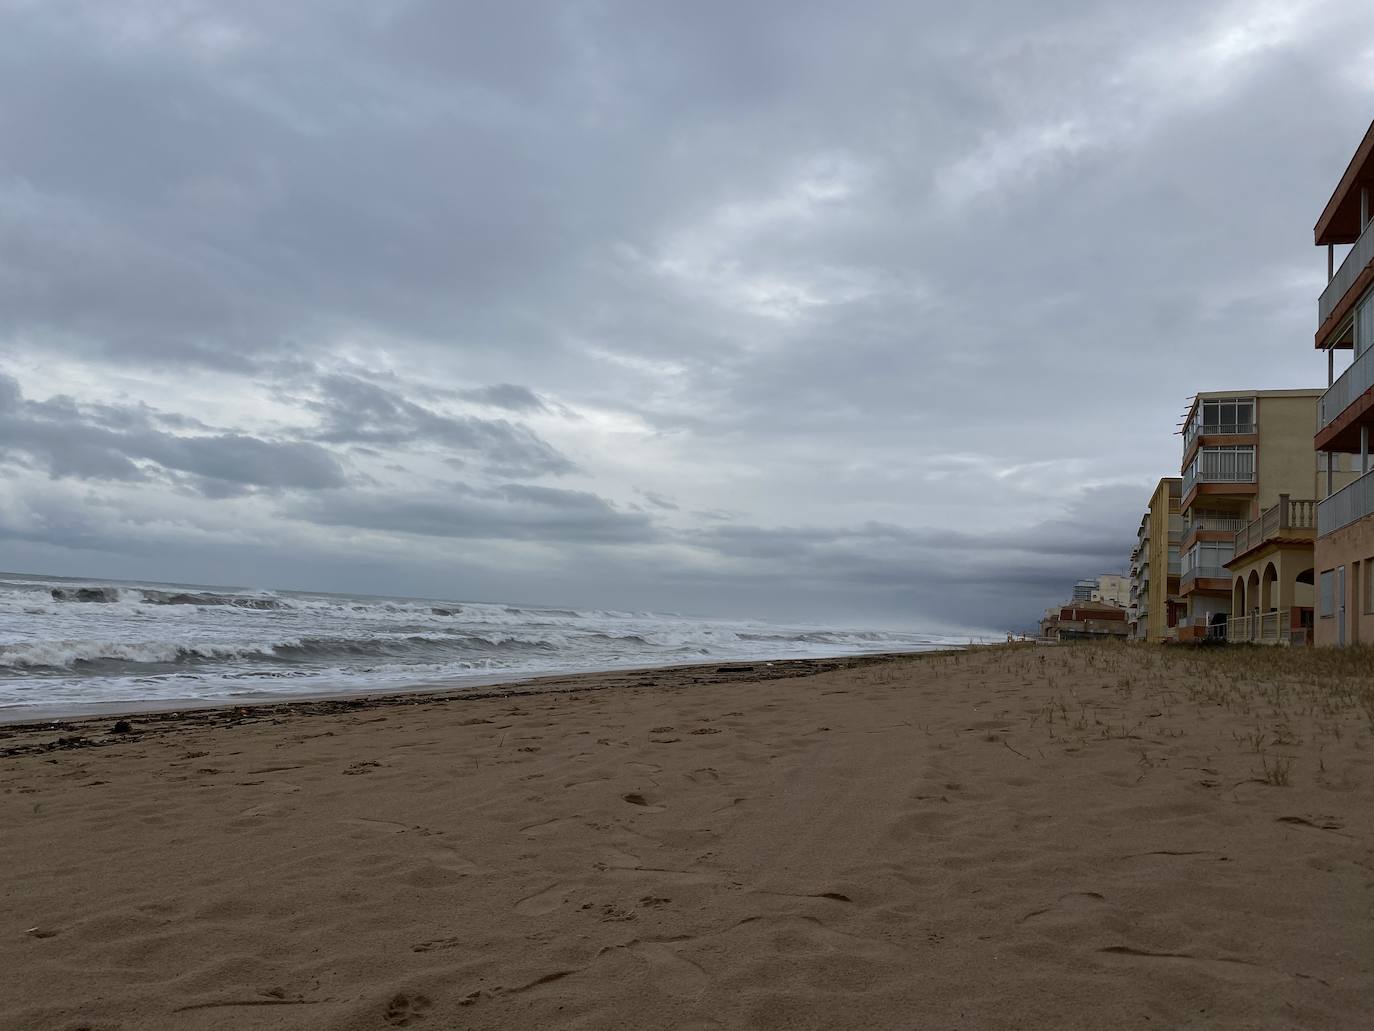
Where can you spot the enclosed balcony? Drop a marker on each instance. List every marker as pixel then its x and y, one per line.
pixel 1218 417
pixel 1224 464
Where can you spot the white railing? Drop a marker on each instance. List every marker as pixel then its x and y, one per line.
pixel 1275 521
pixel 1208 522
pixel 1345 276
pixel 1352 502
pixel 1353 382
pixel 1215 429
pixel 1274 627
pixel 1206 573
pixel 1220 467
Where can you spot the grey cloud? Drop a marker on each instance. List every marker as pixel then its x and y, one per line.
pixel 516 512
pixel 506 395
pixel 69 440
pixel 354 411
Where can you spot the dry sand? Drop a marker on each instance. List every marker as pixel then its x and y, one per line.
pixel 1063 837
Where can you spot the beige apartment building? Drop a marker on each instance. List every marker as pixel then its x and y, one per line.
pixel 1154 603
pixel 1344 547
pixel 1242 452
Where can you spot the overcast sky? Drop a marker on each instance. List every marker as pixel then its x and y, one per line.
pixel 876 312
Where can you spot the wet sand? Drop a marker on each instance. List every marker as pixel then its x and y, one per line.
pixel 1005 838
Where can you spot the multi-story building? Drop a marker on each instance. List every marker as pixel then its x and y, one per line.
pixel 1112 589
pixel 1083 590
pixel 1138 606
pixel 1161 603
pixel 1344 549
pixel 1241 451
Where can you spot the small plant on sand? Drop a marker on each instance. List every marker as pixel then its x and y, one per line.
pixel 1276 772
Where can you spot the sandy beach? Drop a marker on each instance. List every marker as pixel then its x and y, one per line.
pixel 1069 837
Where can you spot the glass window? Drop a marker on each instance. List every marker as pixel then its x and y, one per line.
pixel 1326 600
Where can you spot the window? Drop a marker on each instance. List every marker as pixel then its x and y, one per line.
pixel 1326 595
pixel 1364 324
pixel 1225 415
pixel 1223 464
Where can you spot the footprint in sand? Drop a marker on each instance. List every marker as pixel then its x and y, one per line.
pixel 545 901
pixel 674 973
pixel 406 1010
pixel 636 799
pixel 553 825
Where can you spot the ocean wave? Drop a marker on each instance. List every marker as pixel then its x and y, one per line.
pixel 77 654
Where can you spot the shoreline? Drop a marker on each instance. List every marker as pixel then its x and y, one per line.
pixel 15 734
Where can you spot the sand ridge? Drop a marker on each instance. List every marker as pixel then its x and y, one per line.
pixel 1012 837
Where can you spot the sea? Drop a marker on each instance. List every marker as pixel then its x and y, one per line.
pixel 69 646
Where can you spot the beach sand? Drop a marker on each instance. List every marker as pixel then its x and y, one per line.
pixel 1019 837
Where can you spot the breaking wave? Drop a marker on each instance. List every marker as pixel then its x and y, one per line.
pixel 68 642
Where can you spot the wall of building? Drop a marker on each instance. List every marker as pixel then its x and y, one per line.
pixel 1284 461
pixel 1113 589
pixel 1353 547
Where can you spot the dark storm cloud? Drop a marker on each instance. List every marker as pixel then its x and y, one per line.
pixel 105 442
pixel 516 512
pixel 354 411
pixel 878 308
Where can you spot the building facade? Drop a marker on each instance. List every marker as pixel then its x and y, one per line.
pixel 1112 589
pixel 1241 451
pixel 1138 606
pixel 1343 553
pixel 1163 605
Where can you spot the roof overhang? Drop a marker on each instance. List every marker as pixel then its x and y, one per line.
pixel 1340 220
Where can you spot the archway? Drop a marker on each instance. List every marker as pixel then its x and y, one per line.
pixel 1238 597
pixel 1269 589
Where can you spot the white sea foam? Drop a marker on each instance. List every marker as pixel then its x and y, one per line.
pixel 68 642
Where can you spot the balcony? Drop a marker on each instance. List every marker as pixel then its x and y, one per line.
pixel 1353 382
pixel 1175 567
pixel 1360 255
pixel 1215 429
pixel 1220 466
pixel 1288 520
pixel 1189 579
pixel 1350 504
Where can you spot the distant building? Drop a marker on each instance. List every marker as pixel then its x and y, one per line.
pixel 1112 589
pixel 1083 590
pixel 1343 552
pixel 1085 621
pixel 1155 564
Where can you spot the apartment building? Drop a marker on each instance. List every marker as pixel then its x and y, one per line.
pixel 1162 604
pixel 1344 546
pixel 1112 589
pixel 1242 451
pixel 1138 602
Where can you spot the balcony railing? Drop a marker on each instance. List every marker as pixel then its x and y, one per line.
pixel 1275 521
pixel 1207 522
pixel 1345 276
pixel 1261 628
pixel 1215 429
pixel 1204 573
pixel 1353 382
pixel 1222 467
pixel 1352 502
